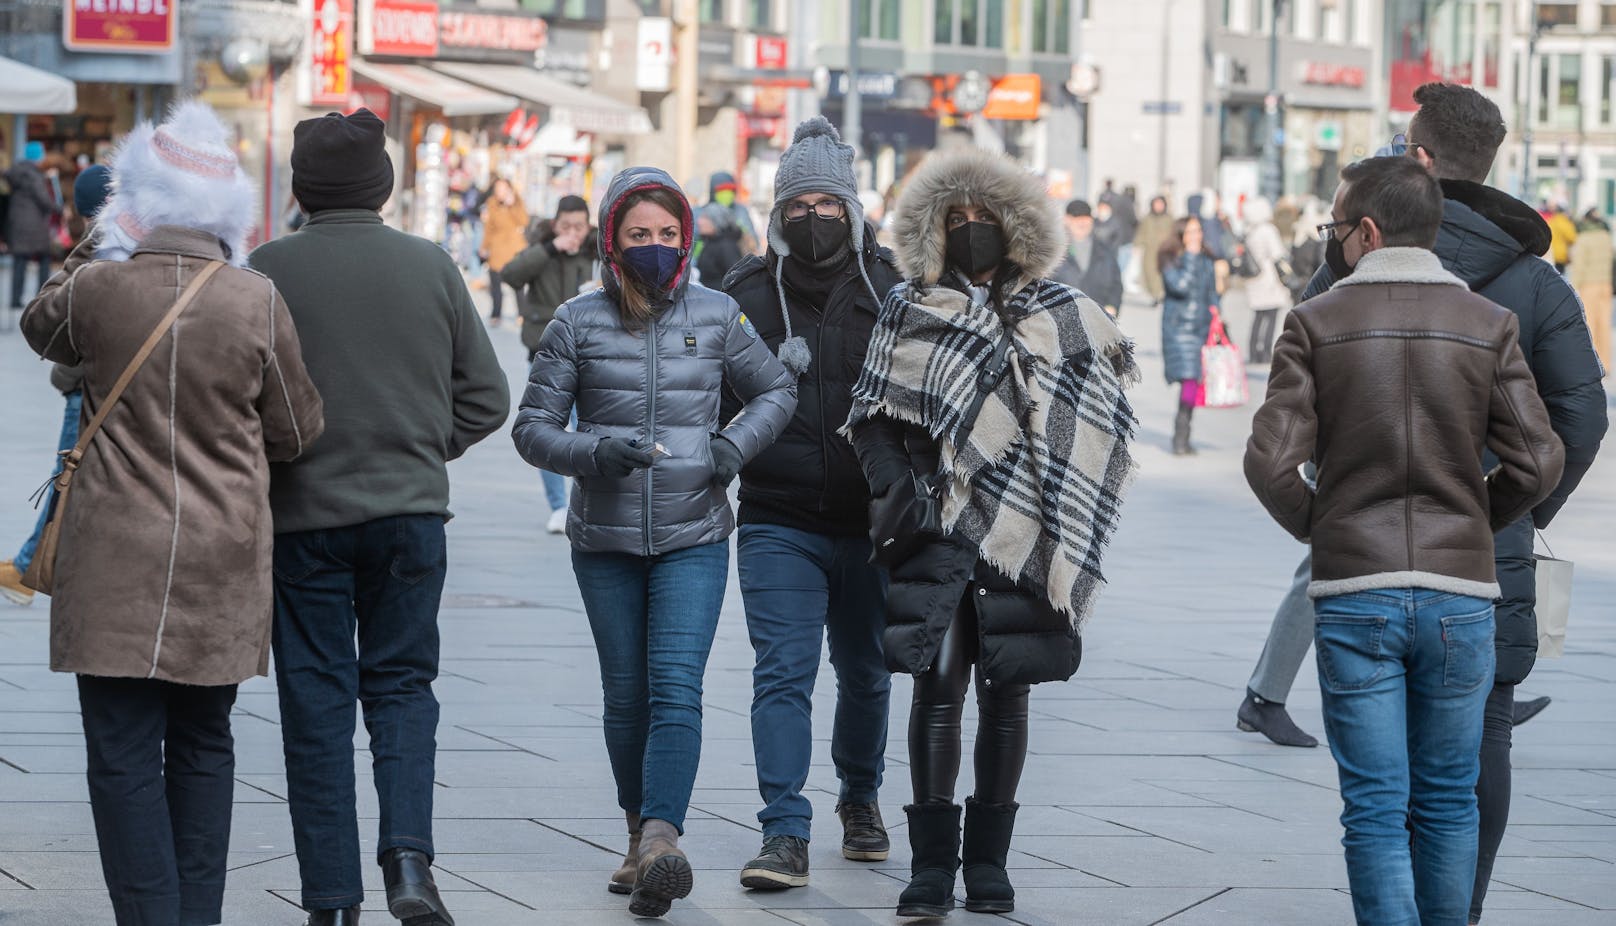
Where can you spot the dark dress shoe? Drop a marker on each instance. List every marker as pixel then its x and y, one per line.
pixel 1259 715
pixel 1526 710
pixel 412 896
pixel 346 917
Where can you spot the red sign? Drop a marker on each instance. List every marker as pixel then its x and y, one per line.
pixel 491 31
pixel 771 53
pixel 402 28
pixel 1332 75
pixel 330 48
pixel 142 26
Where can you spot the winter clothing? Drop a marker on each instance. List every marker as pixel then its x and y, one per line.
pixel 1100 278
pixel 1154 230
pixel 1562 235
pixel 664 875
pixel 1190 283
pixel 732 237
pixel 165 548
pixel 91 190
pixel 341 162
pixel 1266 249
pixel 622 880
pixel 984 852
pixel 504 228
pixel 1590 274
pixel 934 843
pixel 28 212
pixel 1333 384
pixel 425 389
pixel 551 278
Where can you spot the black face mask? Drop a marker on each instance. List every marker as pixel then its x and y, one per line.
pixel 814 240
pixel 1335 255
pixel 975 247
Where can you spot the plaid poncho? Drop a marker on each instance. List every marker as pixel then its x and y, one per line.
pixel 1039 483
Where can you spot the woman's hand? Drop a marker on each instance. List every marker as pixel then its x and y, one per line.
pixel 617 457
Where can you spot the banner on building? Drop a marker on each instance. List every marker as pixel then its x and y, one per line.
pixel 398 28
pixel 139 26
pixel 1014 96
pixel 326 78
pixel 654 55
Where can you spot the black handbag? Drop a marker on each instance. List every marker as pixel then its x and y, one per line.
pixel 909 514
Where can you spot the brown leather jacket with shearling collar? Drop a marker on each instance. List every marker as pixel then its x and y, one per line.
pixel 1393 383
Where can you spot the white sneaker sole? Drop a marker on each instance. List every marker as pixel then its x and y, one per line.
pixel 764 879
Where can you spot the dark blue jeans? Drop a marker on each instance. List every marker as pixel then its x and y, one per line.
pixel 653 618
pixel 381 582
pixel 69 436
pixel 797 586
pixel 1405 674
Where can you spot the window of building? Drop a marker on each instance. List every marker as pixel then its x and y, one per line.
pixel 888 14
pixel 1558 99
pixel 1607 15
pixel 1607 87
pixel 711 11
pixel 1550 15
pixel 1052 25
pixel 1330 21
pixel 993 25
pixel 760 14
pixel 969 23
pixel 1063 26
pixel 943 21
pixel 1492 29
pixel 1352 29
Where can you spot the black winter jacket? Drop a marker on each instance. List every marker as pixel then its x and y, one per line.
pixel 1102 281
pixel 809 478
pixel 1495 243
pixel 27 222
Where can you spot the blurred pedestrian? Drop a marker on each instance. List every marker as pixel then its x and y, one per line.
pixel 1004 388
pixel 1189 277
pixel 393 341
pixel 644 359
pixel 726 231
pixel 1563 232
pixel 29 210
pixel 504 227
pixel 1126 209
pixel 1089 265
pixel 162 588
pixel 1265 292
pixel 803 547
pixel 1590 275
pixel 1154 229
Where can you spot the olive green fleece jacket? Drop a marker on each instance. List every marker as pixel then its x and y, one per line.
pixel 409 378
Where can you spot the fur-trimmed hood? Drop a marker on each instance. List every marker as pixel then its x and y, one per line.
pixel 1034 238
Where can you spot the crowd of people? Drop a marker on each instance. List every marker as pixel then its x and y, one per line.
pixel 933 443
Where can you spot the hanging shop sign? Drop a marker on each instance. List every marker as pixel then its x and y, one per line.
pixel 139 26
pixel 399 28
pixel 327 79
pixel 769 52
pixel 1014 96
pixel 654 55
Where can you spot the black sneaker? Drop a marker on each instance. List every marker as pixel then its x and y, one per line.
pixel 783 863
pixel 864 836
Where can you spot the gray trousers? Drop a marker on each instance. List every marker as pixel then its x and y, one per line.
pixel 1288 639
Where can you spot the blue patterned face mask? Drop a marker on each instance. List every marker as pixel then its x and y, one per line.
pixel 653 264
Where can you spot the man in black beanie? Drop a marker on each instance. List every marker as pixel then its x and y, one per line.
pixel 410 380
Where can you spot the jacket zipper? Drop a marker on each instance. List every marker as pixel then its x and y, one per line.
pixel 650 426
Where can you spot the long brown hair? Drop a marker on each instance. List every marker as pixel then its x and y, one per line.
pixel 636 302
pixel 1173 248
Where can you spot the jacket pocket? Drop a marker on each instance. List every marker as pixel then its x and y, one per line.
pixel 1349 648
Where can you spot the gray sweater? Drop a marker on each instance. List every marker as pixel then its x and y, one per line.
pixel 409 378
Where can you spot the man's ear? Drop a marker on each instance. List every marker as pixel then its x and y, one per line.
pixel 1424 157
pixel 1369 235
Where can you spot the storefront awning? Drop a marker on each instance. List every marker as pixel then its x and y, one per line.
pixel 454 97
pixel 569 105
pixel 30 91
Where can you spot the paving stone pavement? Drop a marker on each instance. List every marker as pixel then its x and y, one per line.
pixel 1141 802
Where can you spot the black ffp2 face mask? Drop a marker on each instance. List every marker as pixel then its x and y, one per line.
pixel 815 240
pixel 1335 255
pixel 975 247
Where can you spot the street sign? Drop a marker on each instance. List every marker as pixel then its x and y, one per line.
pixel 1162 107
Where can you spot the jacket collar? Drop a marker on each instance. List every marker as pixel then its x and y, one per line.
pixel 186 242
pixel 345 217
pixel 1400 265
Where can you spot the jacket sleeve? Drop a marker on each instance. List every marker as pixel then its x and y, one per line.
pixel 47 323
pixel 878 443
pixel 289 407
pixel 1284 434
pixel 526 266
pixel 761 382
pixel 482 397
pixel 1530 455
pixel 541 433
pixel 37 188
pixel 1570 382
pixel 1178 277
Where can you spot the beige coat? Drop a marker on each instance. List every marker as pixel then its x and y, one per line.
pixel 164 565
pixel 504 232
pixel 1591 258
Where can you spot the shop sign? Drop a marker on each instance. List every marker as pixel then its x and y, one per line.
pixel 139 26
pixel 769 52
pixel 401 28
pixel 872 85
pixel 1325 74
pixel 654 55
pixel 490 32
pixel 329 52
pixel 1014 96
pixel 760 126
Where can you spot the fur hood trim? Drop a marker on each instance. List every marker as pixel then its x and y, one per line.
pixel 1034 238
pixel 1399 265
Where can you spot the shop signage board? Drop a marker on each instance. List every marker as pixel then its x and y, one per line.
pixel 1014 96
pixel 654 55
pixel 872 85
pixel 123 26
pixel 769 52
pixel 1325 74
pixel 480 32
pixel 327 79
pixel 398 28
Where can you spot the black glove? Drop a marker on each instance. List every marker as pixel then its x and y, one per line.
pixel 726 461
pixel 617 457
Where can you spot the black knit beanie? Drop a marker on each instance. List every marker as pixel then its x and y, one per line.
pixel 341 162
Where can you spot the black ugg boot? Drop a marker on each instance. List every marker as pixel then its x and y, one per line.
pixel 934 841
pixel 985 853
pixel 1181 430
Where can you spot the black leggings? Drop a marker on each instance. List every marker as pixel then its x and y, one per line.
pixel 1492 788
pixel 496 292
pixel 934 722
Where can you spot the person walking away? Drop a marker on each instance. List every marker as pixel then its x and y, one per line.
pixel 979 316
pixel 803 546
pixel 1089 265
pixel 1590 276
pixel 1404 631
pixel 1155 227
pixel 1189 278
pixel 560 263
pixel 726 231
pixel 1126 209
pixel 161 595
pixel 1563 232
pixel 90 191
pixel 28 213
pixel 644 359
pixel 1266 291
pixel 504 228
pixel 393 341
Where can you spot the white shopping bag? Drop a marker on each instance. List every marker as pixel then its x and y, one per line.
pixel 1553 603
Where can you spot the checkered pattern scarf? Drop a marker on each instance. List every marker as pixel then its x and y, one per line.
pixel 1039 483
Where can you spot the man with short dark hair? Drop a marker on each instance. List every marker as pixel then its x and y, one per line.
pixel 1387 384
pixel 1091 265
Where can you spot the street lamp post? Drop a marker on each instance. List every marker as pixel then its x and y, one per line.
pixel 1273 175
pixel 1526 132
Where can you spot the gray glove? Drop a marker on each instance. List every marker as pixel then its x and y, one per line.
pixel 726 461
pixel 617 457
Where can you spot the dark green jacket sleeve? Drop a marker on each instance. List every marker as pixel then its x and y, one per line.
pixel 482 397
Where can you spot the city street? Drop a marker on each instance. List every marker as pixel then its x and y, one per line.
pixel 1141 803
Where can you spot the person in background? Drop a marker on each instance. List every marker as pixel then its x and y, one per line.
pixel 1126 209
pixel 644 360
pixel 90 191
pixel 504 229
pixel 1189 278
pixel 726 232
pixel 1563 232
pixel 1108 230
pixel 1089 265
pixel 162 590
pixel 1286 215
pixel 27 221
pixel 393 341
pixel 1590 276
pixel 1219 237
pixel 1155 227
pixel 1265 292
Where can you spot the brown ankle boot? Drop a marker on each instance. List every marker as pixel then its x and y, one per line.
pixel 664 874
pixel 622 881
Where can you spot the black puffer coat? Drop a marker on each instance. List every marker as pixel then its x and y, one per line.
pixel 1495 243
pixel 27 220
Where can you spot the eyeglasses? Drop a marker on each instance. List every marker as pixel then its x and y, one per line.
pixel 1401 145
pixel 1327 230
pixel 826 209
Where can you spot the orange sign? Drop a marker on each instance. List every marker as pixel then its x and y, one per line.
pixel 330 48
pixel 120 25
pixel 1014 96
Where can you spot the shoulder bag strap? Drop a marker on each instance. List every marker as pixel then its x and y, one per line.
pixel 986 381
pixel 72 458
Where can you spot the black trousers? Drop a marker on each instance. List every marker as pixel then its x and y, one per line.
pixel 496 293
pixel 1492 788
pixel 162 770
pixel 934 722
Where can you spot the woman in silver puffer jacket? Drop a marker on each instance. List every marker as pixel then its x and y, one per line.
pixel 644 359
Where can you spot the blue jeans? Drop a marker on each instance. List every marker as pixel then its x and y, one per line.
pixel 653 618
pixel 68 438
pixel 1405 674
pixel 797 585
pixel 382 581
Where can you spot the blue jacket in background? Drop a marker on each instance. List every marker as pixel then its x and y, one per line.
pixel 1192 291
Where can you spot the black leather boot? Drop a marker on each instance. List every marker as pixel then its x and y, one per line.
pixel 1181 431
pixel 934 841
pixel 345 917
pixel 412 895
pixel 986 851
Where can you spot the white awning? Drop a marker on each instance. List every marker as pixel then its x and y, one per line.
pixel 29 91
pixel 569 105
pixel 454 97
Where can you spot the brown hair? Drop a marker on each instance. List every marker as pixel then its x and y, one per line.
pixel 635 301
pixel 1173 248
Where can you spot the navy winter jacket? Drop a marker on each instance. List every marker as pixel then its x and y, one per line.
pixel 1192 290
